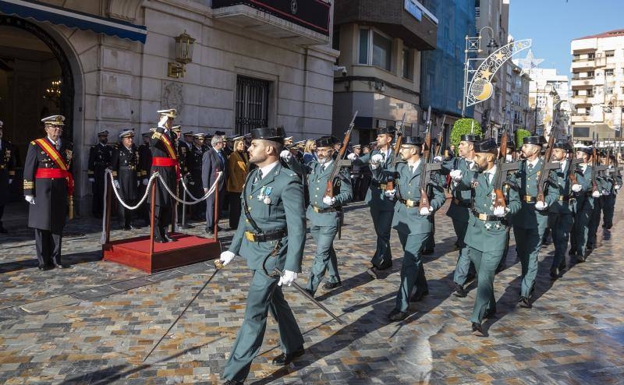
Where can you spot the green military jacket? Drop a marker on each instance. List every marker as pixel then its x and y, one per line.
pixel 459 208
pixel 529 217
pixel 488 235
pixel 408 219
pixel 584 199
pixel 275 203
pixel 317 183
pixel 375 194
pixel 566 199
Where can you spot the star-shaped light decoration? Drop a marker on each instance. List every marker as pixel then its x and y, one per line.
pixel 499 55
pixel 486 74
pixel 529 61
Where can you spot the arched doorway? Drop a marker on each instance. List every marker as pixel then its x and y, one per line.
pixel 35 81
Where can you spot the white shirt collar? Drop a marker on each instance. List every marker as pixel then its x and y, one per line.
pixel 534 162
pixel 327 164
pixel 491 171
pixel 53 142
pixel 267 169
pixel 415 164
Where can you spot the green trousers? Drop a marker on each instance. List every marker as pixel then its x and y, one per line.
pixel 382 220
pixel 412 271
pixel 485 263
pixel 528 243
pixel 325 258
pixel 561 225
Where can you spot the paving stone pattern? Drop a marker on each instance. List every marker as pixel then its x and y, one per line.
pixel 96 322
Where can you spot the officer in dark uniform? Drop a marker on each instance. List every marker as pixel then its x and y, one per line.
pixel 356 174
pixel 188 139
pixel 99 160
pixel 7 173
pixel 165 162
pixel 145 165
pixel 126 173
pixel 47 186
pixel 182 150
pixel 194 165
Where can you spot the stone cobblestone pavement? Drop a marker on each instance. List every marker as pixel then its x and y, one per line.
pixel 96 322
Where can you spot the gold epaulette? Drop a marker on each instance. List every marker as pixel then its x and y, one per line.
pixel 156 135
pixel 28 185
pixel 33 142
pixel 114 174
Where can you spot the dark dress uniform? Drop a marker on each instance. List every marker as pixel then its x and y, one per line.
pixel 99 160
pixel 7 173
pixel 125 166
pixel 43 179
pixel 194 166
pixel 166 164
pixel 145 165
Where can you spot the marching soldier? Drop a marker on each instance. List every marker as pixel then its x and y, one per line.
pixel 487 228
pixel 413 224
pixel 269 240
pixel 459 209
pixel 381 209
pixel 99 160
pixel 194 166
pixel 7 173
pixel 603 186
pixel 324 214
pixel 145 165
pixel 165 162
pixel 126 175
pixel 584 204
pixel 48 185
pixel 615 179
pixel 529 223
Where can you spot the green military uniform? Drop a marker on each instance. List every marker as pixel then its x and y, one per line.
pixel 584 210
pixel 381 209
pixel 325 220
pixel 413 229
pixel 604 186
pixel 529 224
pixel 275 204
pixel 609 199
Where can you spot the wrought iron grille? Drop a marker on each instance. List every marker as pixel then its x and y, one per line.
pixel 252 104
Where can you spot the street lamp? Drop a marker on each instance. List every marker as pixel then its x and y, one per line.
pixel 473 46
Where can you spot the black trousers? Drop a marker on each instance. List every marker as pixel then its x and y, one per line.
pixel 48 247
pixel 235 208
pixel 1 214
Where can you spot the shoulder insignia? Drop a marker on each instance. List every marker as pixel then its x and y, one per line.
pixel 32 143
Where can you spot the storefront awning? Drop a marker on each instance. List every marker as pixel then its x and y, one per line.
pixel 73 19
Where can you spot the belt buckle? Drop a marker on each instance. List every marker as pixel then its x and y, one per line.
pixel 409 203
pixel 561 197
pixel 483 217
pixel 316 209
pixel 382 186
pixel 251 237
pixel 528 198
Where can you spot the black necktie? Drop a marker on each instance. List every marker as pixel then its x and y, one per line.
pixel 322 168
pixel 530 168
pixel 258 176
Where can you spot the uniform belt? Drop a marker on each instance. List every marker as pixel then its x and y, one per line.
pixel 49 173
pixel 164 162
pixel 409 202
pixel 461 203
pixel 529 199
pixel 127 167
pixel 485 217
pixel 327 210
pixel 263 237
pixel 378 184
pixel 565 198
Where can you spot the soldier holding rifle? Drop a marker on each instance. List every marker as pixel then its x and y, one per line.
pixel 493 200
pixel 585 193
pixel 418 196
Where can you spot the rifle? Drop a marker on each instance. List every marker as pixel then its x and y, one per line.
pixel 438 151
pixel 428 165
pixel 329 188
pixel 594 164
pixel 397 149
pixel 547 165
pixel 502 169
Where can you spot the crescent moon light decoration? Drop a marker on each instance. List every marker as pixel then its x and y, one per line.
pixel 480 87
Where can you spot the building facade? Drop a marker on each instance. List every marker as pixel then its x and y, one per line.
pixel 597 85
pixel 378 71
pixel 111 64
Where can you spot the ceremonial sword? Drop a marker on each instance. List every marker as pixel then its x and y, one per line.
pixel 218 266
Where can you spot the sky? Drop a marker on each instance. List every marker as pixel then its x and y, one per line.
pixel 553 24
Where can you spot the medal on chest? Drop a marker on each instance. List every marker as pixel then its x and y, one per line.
pixel 265 194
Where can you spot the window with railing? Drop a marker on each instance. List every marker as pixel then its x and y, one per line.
pixel 252 104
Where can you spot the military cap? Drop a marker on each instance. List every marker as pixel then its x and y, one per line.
pixel 324 141
pixel 275 134
pixel 172 112
pixel 176 128
pixel 199 135
pixel 412 141
pixel 55 120
pixel 188 133
pixel 536 140
pixel 146 134
pixel 127 133
pixel 356 146
pixel 562 144
pixel 238 137
pixel 300 143
pixel 103 133
pixel 221 133
pixel 470 138
pixel 487 145
pixel 390 130
pixel 372 143
pixel 288 138
pixel 586 149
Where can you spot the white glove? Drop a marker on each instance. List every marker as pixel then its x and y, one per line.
pixel 329 201
pixel 390 194
pixel 500 211
pixel 596 194
pixel 577 187
pixel 92 180
pixel 377 158
pixel 288 278
pixel 456 175
pixel 30 199
pixel 117 185
pixel 426 211
pixel 352 156
pixel 145 181
pixel 437 159
pixel 539 205
pixel 508 158
pixel 10 181
pixel 617 187
pixel 605 193
pixel 286 155
pixel 226 257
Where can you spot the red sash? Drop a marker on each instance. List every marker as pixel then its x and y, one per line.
pixel 61 172
pixel 172 155
pixel 167 162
